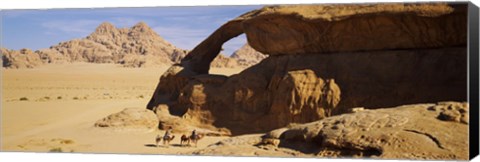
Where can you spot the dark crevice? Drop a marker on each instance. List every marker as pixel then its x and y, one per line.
pixel 439 145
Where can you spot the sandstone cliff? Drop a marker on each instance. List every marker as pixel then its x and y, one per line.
pixel 323 59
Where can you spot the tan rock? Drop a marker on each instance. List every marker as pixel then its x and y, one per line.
pixel 280 30
pixel 404 132
pixel 247 56
pixel 335 28
pixel 130 119
pixel 270 141
pixel 138 46
pixel 452 111
pixel 24 58
pixel 275 93
pixel 222 61
pixel 303 82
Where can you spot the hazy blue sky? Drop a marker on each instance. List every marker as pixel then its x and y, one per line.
pixel 184 27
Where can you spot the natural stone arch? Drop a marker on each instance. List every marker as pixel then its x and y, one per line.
pixel 372 68
pixel 198 60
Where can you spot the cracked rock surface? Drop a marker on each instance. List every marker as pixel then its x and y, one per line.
pixel 404 132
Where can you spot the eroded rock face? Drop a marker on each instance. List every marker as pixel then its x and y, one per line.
pixel 274 93
pixel 391 61
pixel 452 111
pixel 130 119
pixel 355 27
pixel 405 132
pixel 281 30
pixel 183 125
pixel 23 58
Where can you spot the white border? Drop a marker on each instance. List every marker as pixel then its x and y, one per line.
pixel 49 4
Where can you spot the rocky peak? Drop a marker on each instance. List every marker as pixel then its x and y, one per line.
pixel 136 46
pixel 25 51
pixel 247 56
pixel 141 31
pixel 104 28
pixel 142 27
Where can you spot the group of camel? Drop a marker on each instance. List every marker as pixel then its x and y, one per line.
pixel 184 140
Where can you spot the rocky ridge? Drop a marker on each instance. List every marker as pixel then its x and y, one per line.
pixel 138 46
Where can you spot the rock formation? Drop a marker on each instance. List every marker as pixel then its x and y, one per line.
pixel 138 46
pixel 134 47
pixel 247 56
pixel 23 58
pixel 130 119
pixel 405 132
pixel 322 59
pixel 180 125
pixel 222 61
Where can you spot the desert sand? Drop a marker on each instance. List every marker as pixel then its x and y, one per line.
pixel 61 103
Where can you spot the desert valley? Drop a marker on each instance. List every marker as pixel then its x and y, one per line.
pixel 375 81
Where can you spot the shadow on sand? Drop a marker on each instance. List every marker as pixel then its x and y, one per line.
pixel 164 146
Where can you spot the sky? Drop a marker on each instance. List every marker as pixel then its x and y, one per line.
pixel 184 27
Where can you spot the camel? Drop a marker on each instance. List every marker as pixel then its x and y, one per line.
pixel 157 140
pixel 195 139
pixel 184 139
pixel 167 139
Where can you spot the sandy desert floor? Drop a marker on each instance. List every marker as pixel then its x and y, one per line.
pixel 54 107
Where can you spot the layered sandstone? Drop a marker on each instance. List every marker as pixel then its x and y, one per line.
pixel 323 60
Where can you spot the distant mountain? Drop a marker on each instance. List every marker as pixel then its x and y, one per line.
pixel 247 56
pixel 138 46
pixel 23 58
